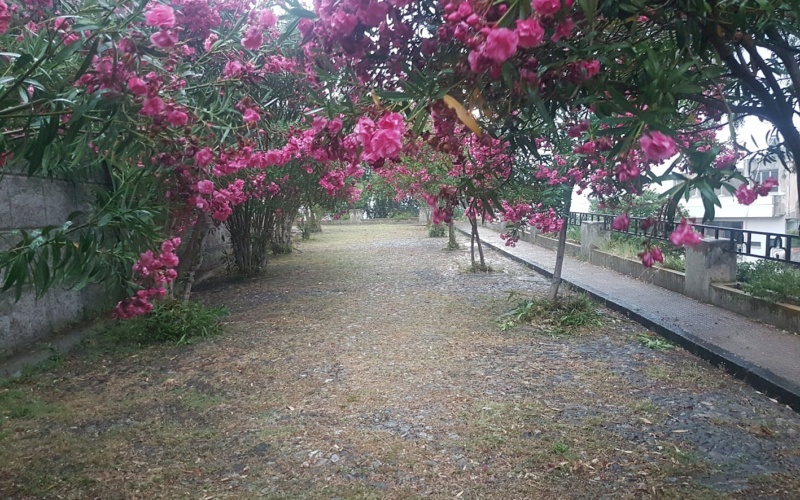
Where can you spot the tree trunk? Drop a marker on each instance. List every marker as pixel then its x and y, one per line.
pixel 555 283
pixel 452 244
pixel 476 238
pixel 191 256
pixel 472 243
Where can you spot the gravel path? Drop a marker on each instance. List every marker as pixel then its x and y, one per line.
pixel 370 365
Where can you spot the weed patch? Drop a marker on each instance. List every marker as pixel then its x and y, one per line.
pixel 563 316
pixel 171 321
pixel 652 341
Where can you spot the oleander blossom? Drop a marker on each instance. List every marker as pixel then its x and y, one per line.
pixel 250 116
pixel 546 7
pixel 500 44
pixel 382 140
pixel 154 272
pixel 745 195
pixel 657 146
pixel 161 16
pixel 137 86
pixel 685 235
pixel 651 255
pixel 5 17
pixel 530 33
pixel 177 118
pixel 621 222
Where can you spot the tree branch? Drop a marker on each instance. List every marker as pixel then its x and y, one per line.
pixel 752 50
pixel 785 56
pixel 726 107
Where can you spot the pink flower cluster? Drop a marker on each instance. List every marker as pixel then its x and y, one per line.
pixel 746 195
pixel 515 213
pixel 219 203
pixel 5 17
pixel 685 235
pixel 657 146
pixel 546 221
pixel 651 255
pixel 154 273
pixel 381 141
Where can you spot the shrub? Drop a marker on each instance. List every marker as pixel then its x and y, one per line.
pixel 565 315
pixel 171 321
pixel 436 230
pixel 770 280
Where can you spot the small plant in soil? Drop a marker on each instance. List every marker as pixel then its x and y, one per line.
pixel 655 342
pixel 560 447
pixel 562 316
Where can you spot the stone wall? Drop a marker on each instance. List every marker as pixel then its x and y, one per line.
pixel 31 203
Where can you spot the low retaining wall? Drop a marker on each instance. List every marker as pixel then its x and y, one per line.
pixel 784 316
pixel 722 295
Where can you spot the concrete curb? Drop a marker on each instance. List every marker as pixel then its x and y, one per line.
pixel 762 379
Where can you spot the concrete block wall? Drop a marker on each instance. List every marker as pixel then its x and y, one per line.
pixel 31 203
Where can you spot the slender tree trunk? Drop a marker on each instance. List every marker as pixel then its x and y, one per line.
pixel 452 244
pixel 472 242
pixel 555 283
pixel 192 257
pixel 476 238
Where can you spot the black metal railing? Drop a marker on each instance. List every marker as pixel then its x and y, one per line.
pixel 776 246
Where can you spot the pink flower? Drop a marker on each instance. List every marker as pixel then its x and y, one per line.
pixel 136 85
pixel 685 235
pixel 529 32
pixel 170 245
pixel 651 255
pixel 177 118
pixel 164 39
pixel 203 157
pixel 745 195
pixel 766 186
pixel 210 41
pixel 563 30
pixel 250 115
pixel 232 69
pixel 161 15
pixel 253 38
pixel 5 17
pixel 621 222
pixel 205 187
pixel 152 106
pixel 546 7
pixel 335 126
pixel 386 143
pixel 657 146
pixel 591 67
pixel 267 19
pixel 500 44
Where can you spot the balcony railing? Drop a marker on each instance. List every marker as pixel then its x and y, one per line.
pixel 775 246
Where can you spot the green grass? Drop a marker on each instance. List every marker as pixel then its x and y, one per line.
pixel 629 247
pixel 171 321
pixel 565 315
pixel 769 280
pixel 652 341
pixel 15 404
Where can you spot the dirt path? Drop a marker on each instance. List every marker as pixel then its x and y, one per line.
pixel 371 365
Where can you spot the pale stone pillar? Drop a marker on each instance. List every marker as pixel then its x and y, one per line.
pixel 712 261
pixel 592 236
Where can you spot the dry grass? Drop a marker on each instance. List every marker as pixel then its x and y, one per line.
pixel 371 365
